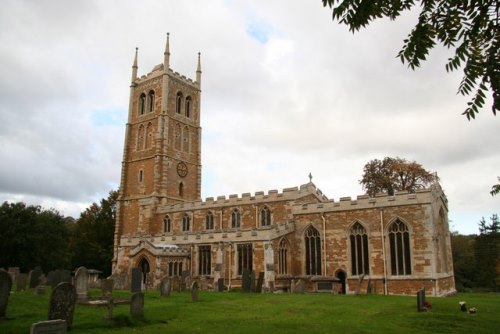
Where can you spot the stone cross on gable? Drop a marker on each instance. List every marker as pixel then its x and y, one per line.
pixel 310 178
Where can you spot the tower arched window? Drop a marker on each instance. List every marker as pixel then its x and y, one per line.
pixel 313 251
pixel 178 102
pixel 186 221
pixel 209 221
pixel 359 250
pixel 181 189
pixel 167 224
pixel 188 106
pixel 142 104
pixel 235 218
pixel 283 252
pixel 265 216
pixel 151 101
pixel 399 244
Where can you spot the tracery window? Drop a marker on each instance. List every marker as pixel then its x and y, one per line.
pixel 265 216
pixel 235 218
pixel 186 221
pixel 399 243
pixel 313 251
pixel 188 106
pixel 178 102
pixel 245 257
pixel 204 260
pixel 151 100
pixel 174 268
pixel 167 224
pixel 209 221
pixel 142 104
pixel 283 251
pixel 359 250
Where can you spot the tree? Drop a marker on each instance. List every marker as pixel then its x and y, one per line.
pixel 92 235
pixel 471 27
pixel 487 253
pixel 464 262
pixel 495 190
pixel 394 174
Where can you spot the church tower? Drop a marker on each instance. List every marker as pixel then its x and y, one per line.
pixel 162 150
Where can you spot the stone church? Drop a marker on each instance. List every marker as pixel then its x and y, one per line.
pixel 385 244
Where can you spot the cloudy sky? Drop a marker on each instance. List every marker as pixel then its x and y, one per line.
pixel 286 92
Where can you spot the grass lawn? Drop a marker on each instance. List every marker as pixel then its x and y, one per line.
pixel 236 312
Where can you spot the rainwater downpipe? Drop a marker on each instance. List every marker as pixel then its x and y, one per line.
pixel 324 243
pixel 383 250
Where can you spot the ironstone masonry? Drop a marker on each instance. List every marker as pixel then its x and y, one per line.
pixel 398 243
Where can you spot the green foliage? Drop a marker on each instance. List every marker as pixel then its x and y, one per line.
pixel 32 236
pixel 495 190
pixel 464 261
pixel 471 27
pixel 487 253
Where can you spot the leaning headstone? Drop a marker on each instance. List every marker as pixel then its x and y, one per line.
pixel 34 277
pixel 5 286
pixel 194 291
pixel 136 284
pixel 107 287
pixel 22 282
pixel 260 281
pixel 49 327
pixel 62 303
pixel 420 300
pixel 360 281
pixel 165 287
pixel 220 285
pixel 300 286
pixel 82 283
pixel 245 280
pixel 137 305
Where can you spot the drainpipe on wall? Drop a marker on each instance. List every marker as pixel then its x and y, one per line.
pixel 324 243
pixel 383 250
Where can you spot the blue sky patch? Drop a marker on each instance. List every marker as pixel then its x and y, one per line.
pixel 109 117
pixel 259 30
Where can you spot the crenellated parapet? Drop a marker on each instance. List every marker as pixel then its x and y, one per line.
pixel 260 197
pixel 158 71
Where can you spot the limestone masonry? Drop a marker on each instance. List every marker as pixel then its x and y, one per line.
pixel 385 244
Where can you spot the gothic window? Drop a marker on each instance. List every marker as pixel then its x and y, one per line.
pixel 140 138
pixel 185 222
pixel 283 251
pixel 209 221
pixel 185 139
pixel 178 102
pixel 141 176
pixel 204 260
pixel 265 216
pixel 399 243
pixel 142 104
pixel 167 225
pixel 174 268
pixel 181 189
pixel 151 101
pixel 245 257
pixel 149 136
pixel 235 218
pixel 359 250
pixel 313 251
pixel 188 106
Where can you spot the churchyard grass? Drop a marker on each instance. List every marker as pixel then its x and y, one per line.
pixel 237 312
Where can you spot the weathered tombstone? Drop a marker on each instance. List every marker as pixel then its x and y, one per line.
pixel 220 285
pixel 271 286
pixel 203 283
pixel 107 287
pixel 260 281
pixel 245 280
pixel 420 300
pixel 62 303
pixel 136 284
pixel 300 286
pixel 111 306
pixel 185 280
pixel 82 283
pixel 194 291
pixel 5 286
pixel 176 284
pixel 34 277
pixel 55 277
pixel 49 327
pixel 360 281
pixel 13 272
pixel 369 287
pixel 252 281
pixel 137 305
pixel 22 282
pixel 165 287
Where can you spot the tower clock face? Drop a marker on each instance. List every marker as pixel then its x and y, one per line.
pixel 182 169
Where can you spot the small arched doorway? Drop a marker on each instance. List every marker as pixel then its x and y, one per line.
pixel 340 274
pixel 144 265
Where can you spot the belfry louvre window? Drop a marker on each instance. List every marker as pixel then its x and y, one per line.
pixel 209 221
pixel 151 101
pixel 399 243
pixel 142 104
pixel 235 218
pixel 185 222
pixel 283 257
pixel 313 251
pixel 265 216
pixel 245 257
pixel 178 102
pixel 167 224
pixel 188 106
pixel 359 250
pixel 204 260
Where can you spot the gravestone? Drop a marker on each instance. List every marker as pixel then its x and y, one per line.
pixel 300 286
pixel 57 276
pixel 111 306
pixel 13 272
pixel 220 285
pixel 203 283
pixel 136 284
pixel 360 281
pixel 137 305
pixel 271 286
pixel 22 282
pixel 62 303
pixel 185 280
pixel 194 291
pixel 107 287
pixel 82 283
pixel 5 286
pixel 245 280
pixel 420 300
pixel 176 284
pixel 165 287
pixel 34 277
pixel 49 327
pixel 260 281
pixel 252 281
pixel 369 288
